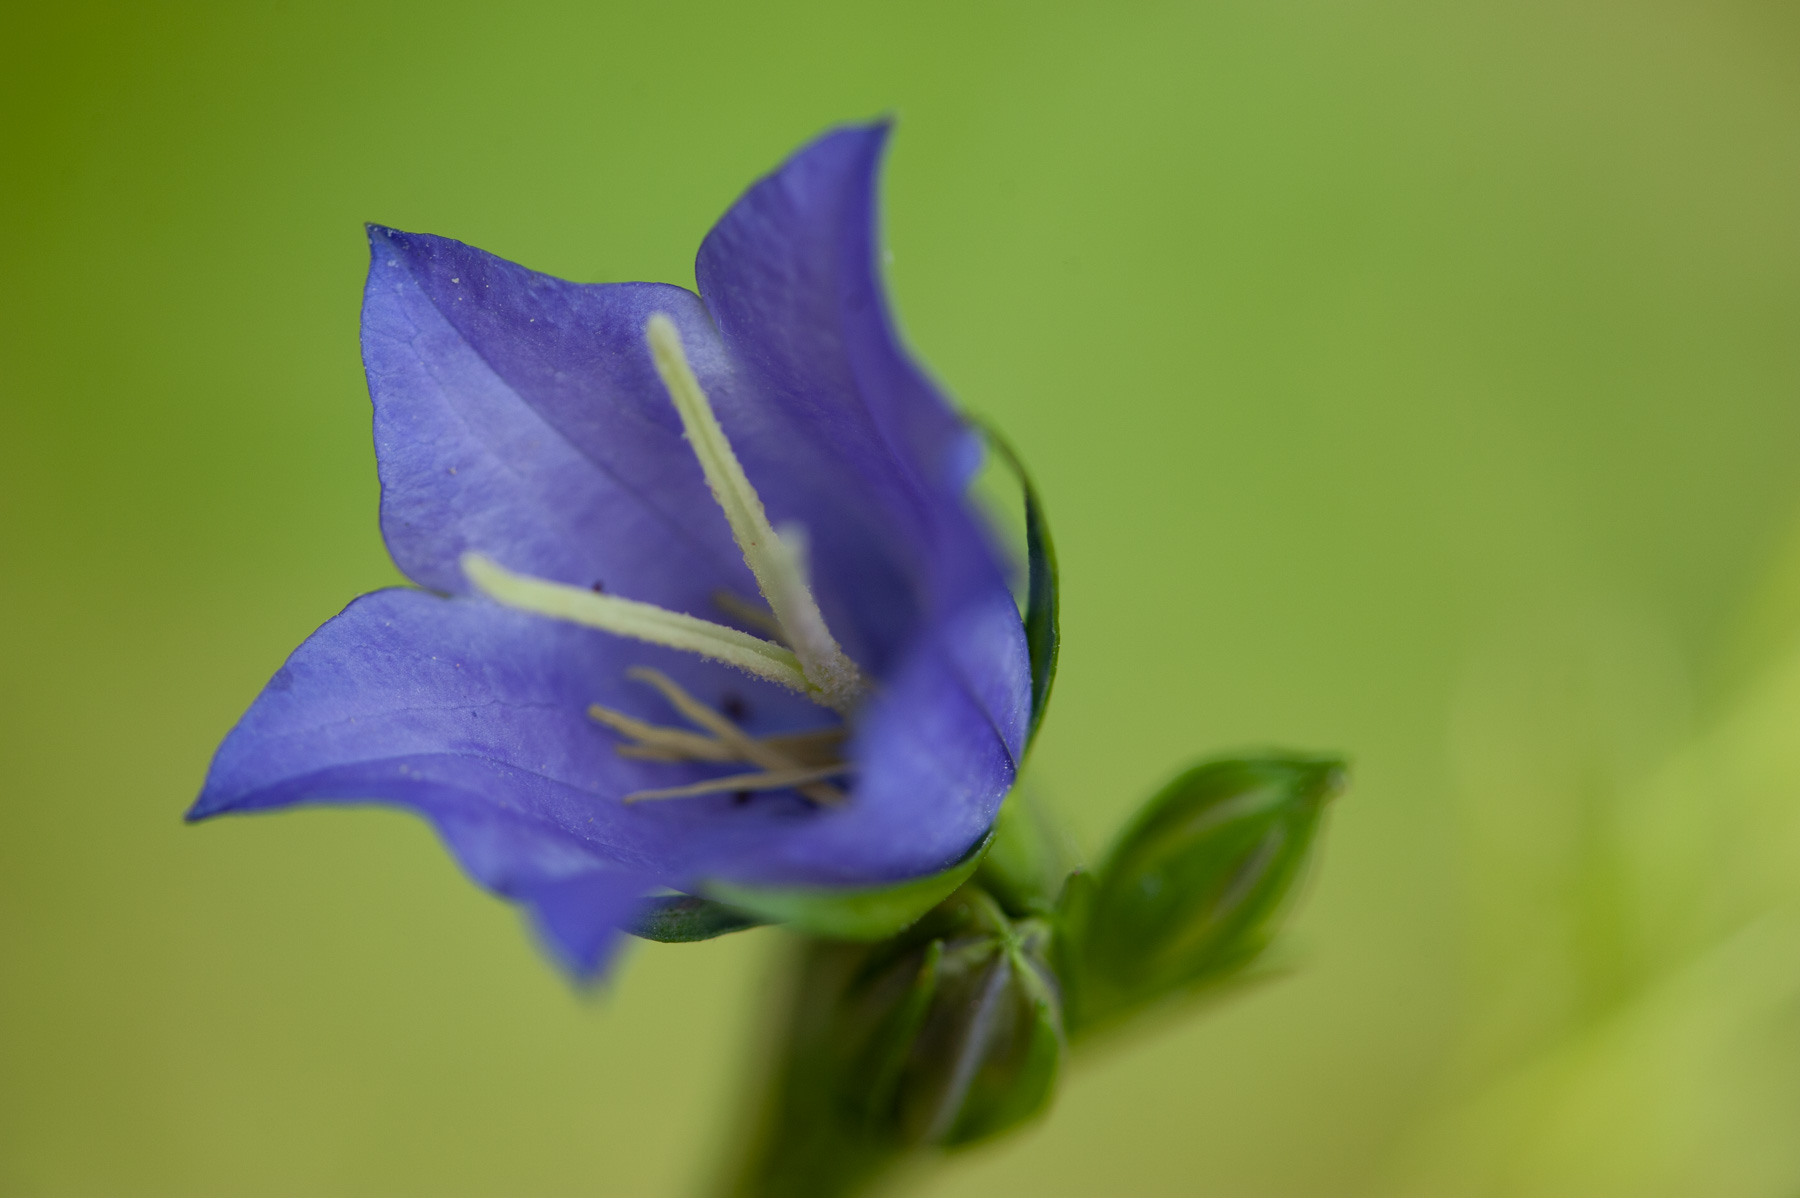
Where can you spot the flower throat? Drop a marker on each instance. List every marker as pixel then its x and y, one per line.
pixel 800 653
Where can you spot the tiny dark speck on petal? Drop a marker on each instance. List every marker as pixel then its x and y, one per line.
pixel 598 587
pixel 739 798
pixel 734 706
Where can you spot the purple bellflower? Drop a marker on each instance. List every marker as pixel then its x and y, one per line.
pixel 703 600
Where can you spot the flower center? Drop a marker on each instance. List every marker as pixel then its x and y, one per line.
pixel 777 559
pixel 802 654
pixel 814 665
pixel 801 760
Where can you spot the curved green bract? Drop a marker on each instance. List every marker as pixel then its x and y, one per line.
pixel 868 914
pixel 1043 633
pixel 685 918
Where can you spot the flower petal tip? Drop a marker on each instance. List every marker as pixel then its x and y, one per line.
pixel 580 920
pixel 210 803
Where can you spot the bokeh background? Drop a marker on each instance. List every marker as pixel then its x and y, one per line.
pixel 1410 379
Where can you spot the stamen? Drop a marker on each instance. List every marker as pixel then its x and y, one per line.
pixel 745 611
pixel 775 563
pixel 769 780
pixel 810 748
pixel 745 747
pixel 668 756
pixel 644 621
pixel 656 743
pixel 688 706
pixel 775 755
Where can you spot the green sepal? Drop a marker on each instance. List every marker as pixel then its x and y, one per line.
pixel 1043 635
pixel 873 913
pixel 1190 892
pixel 685 918
pixel 1027 861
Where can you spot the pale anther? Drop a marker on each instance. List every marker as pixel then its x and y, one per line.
pixel 777 565
pixel 643 621
pixel 798 760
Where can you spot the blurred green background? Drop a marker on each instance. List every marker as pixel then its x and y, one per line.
pixel 1415 380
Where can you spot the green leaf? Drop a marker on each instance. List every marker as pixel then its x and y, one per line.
pixel 1043 633
pixel 1191 891
pixel 685 918
pixel 843 914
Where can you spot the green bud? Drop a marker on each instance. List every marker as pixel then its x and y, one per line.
pixel 973 1047
pixel 1191 891
pixel 938 1038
